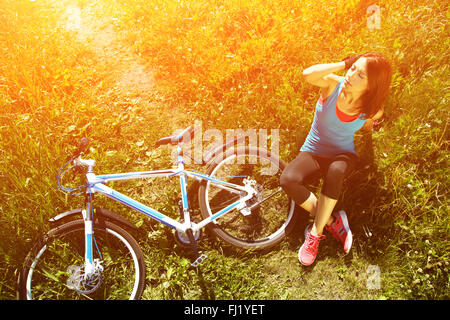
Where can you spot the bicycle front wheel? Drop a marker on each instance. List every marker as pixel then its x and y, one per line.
pixel 54 268
pixel 270 215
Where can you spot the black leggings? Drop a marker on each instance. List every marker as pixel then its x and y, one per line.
pixel 307 167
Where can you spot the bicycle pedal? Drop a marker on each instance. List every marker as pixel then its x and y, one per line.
pixel 199 260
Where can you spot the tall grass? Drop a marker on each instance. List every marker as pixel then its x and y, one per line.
pixel 231 64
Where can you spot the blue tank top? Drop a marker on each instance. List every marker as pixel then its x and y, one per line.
pixel 328 135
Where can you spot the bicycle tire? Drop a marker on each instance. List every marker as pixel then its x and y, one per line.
pixel 45 271
pixel 267 225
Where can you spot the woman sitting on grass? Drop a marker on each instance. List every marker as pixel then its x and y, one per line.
pixel 346 105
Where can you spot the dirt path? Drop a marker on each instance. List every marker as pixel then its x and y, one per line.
pixel 127 70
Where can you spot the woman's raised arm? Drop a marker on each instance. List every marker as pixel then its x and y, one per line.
pixel 321 74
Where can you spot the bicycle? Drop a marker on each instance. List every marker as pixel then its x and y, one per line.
pixel 94 257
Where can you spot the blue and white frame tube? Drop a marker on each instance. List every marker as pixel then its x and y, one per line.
pixel 184 198
pixel 183 186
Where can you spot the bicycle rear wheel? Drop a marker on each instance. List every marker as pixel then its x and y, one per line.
pixel 272 216
pixel 54 268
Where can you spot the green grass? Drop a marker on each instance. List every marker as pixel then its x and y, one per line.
pixel 236 64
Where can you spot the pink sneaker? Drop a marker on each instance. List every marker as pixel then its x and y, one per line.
pixel 340 229
pixel 308 251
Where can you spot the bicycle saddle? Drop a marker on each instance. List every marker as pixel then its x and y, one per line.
pixel 185 136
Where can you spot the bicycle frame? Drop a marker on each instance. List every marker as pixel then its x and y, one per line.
pixel 96 184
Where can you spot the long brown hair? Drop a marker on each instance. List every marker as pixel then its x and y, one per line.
pixel 379 74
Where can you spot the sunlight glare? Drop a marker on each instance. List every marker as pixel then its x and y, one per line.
pixel 73 18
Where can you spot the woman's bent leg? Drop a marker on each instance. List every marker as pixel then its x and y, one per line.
pixel 338 169
pixel 293 178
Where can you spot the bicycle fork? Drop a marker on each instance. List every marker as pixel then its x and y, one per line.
pixel 91 265
pixel 88 236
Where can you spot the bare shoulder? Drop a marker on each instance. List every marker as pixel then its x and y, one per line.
pixel 332 81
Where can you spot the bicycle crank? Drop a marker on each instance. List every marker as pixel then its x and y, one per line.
pixel 183 240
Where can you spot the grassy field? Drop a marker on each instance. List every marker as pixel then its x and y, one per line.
pixel 126 72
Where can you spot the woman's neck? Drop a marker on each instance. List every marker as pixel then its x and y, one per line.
pixel 348 102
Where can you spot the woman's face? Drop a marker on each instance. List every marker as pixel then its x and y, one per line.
pixel 356 78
